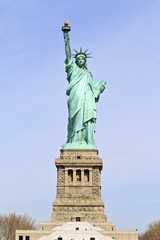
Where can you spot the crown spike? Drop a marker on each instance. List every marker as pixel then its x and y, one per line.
pixel 75 50
pixel 86 51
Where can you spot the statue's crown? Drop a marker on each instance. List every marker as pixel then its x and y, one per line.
pixel 85 54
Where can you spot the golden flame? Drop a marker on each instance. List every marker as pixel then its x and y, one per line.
pixel 66 23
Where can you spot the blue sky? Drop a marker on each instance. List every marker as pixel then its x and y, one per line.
pixel 124 39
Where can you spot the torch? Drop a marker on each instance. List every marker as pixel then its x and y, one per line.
pixel 66 28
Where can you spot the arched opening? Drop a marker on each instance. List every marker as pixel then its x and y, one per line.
pixel 70 175
pixel 86 175
pixel 78 175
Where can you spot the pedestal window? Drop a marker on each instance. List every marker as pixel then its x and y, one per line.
pixel 78 175
pixel 70 175
pixel 86 175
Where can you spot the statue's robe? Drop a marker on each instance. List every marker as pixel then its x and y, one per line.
pixel 83 92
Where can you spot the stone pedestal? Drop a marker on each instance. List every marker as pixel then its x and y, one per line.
pixel 78 195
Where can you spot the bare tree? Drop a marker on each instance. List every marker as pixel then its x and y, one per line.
pixel 152 232
pixel 12 222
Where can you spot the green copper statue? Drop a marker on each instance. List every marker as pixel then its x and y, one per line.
pixel 83 92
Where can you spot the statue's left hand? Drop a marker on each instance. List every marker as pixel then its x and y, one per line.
pixel 102 87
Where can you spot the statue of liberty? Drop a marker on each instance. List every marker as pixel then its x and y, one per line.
pixel 83 93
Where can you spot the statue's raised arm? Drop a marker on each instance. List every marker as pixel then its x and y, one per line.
pixel 83 93
pixel 66 28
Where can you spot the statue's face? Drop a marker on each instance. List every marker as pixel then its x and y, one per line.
pixel 81 61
